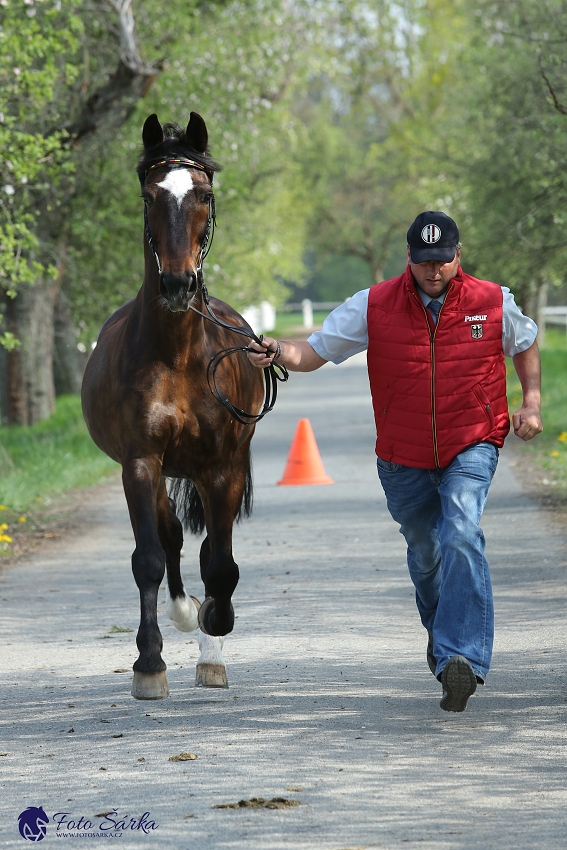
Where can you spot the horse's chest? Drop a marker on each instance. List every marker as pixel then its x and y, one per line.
pixel 184 437
pixel 163 420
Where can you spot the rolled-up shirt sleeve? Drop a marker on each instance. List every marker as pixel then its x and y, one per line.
pixel 518 331
pixel 344 331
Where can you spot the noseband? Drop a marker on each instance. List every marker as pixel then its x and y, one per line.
pixel 275 371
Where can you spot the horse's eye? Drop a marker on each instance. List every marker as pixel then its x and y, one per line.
pixel 147 198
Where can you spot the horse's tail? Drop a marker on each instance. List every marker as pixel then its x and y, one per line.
pixel 189 506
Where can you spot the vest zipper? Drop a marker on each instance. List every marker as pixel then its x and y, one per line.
pixel 432 354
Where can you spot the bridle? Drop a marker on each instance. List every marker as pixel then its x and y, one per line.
pixel 275 371
pixel 183 162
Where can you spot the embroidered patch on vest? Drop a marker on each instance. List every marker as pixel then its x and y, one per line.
pixel 480 318
pixel 476 331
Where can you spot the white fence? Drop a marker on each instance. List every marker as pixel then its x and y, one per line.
pixel 306 307
pixel 263 318
pixel 554 316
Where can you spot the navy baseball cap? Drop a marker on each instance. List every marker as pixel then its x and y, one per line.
pixel 433 236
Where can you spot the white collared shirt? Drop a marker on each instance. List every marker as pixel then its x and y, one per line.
pixel 345 330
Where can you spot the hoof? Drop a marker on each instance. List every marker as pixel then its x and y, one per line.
pixel 207 619
pixel 211 676
pixel 150 685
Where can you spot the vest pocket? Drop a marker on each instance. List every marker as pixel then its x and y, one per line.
pixel 484 402
pixel 383 408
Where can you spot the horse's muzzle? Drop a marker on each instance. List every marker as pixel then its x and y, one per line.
pixel 178 290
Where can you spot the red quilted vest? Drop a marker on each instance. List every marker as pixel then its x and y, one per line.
pixel 436 389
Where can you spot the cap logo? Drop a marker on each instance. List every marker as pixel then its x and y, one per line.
pixel 431 234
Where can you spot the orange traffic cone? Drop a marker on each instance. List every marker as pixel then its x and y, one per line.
pixel 304 464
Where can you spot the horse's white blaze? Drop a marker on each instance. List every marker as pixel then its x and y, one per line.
pixel 211 649
pixel 178 182
pixel 182 612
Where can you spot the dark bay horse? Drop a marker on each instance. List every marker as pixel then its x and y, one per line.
pixel 147 404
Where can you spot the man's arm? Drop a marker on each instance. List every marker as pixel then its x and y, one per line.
pixel 295 356
pixel 527 420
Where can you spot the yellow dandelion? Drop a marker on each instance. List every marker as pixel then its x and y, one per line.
pixel 563 437
pixel 554 454
pixel 5 539
pixel 4 526
pixel 22 519
pixel 4 508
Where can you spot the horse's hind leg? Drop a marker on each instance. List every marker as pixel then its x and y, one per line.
pixel 181 609
pixel 211 669
pixel 222 498
pixel 141 478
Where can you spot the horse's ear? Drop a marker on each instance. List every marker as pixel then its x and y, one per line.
pixel 152 134
pixel 197 136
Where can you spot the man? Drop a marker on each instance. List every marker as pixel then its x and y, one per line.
pixel 436 339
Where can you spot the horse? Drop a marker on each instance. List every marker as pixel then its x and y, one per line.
pixel 147 404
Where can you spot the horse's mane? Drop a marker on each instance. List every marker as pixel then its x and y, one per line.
pixel 174 145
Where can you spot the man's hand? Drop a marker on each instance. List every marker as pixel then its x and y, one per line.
pixel 262 355
pixel 295 356
pixel 527 422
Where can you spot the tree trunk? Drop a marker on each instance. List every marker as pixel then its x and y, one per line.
pixel 29 367
pixel 529 299
pixel 377 273
pixel 67 370
pixel 541 305
pixel 27 383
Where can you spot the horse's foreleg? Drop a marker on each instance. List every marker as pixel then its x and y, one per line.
pixel 141 478
pixel 211 669
pixel 181 608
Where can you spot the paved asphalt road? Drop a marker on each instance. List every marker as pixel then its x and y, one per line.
pixel 331 704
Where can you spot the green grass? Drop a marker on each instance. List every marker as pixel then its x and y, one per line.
pixel 290 324
pixel 42 461
pixel 549 449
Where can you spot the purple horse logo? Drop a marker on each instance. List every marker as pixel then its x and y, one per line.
pixel 32 823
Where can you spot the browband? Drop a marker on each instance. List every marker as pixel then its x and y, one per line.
pixel 190 163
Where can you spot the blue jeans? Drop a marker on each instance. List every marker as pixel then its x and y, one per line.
pixel 438 511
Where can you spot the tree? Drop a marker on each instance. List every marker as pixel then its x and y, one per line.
pixel 90 221
pixel 517 189
pixel 374 142
pixel 35 45
pixel 241 75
